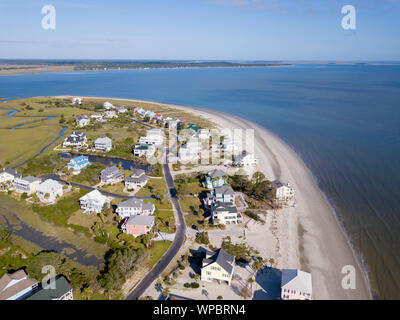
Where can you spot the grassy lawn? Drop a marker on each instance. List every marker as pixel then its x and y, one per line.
pixel 115 188
pixel 159 248
pixel 83 219
pixel 90 175
pixel 165 221
pixel 190 204
pixel 153 187
pixel 44 164
pixel 60 212
pixel 164 204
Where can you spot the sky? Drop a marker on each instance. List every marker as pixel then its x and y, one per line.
pixel 272 30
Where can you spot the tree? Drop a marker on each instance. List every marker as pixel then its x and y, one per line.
pixel 220 298
pixel 251 281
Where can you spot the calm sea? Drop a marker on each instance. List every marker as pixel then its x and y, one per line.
pixel 344 121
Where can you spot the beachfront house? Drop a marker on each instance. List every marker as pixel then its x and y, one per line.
pixel 138 225
pixel 9 175
pixel 76 100
pixel 49 190
pixel 62 291
pixel 93 201
pixel 245 159
pixel 219 194
pixel 159 117
pixel 26 185
pixel 75 139
pixel 82 120
pixel 190 150
pixel 204 134
pixel 154 137
pixel 296 285
pixel 174 123
pixel 103 144
pixel 230 146
pixel 108 105
pixel 215 178
pixel 282 192
pixel 111 175
pixel 225 213
pixel 134 206
pixel 143 150
pixel 16 286
pixel 218 265
pixel 136 180
pixel 110 114
pixel 78 163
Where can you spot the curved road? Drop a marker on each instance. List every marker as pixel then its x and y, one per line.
pixel 176 244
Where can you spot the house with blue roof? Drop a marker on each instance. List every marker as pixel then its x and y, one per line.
pixel 78 163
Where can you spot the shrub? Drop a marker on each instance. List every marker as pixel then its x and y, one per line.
pixel 194 285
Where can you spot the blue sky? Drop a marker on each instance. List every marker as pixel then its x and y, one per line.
pixel 201 29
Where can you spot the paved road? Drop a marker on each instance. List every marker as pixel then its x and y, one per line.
pixel 175 246
pixel 104 193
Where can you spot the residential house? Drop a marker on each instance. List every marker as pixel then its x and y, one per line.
pixel 110 114
pixel 122 110
pixel 9 175
pixel 190 150
pixel 82 120
pixel 149 114
pixel 220 194
pixel 111 175
pixel 93 201
pixel 76 100
pixel 158 117
pixel 296 285
pixel 26 185
pixel 75 139
pixel 108 105
pixel 174 123
pixel 138 225
pixel 62 291
pixel 215 178
pixel 225 213
pixel 78 163
pixel 136 180
pixel 16 286
pixel 218 265
pixel 103 144
pixel 134 206
pixel 49 190
pixel 154 137
pixel 204 134
pixel 230 146
pixel 97 116
pixel 282 192
pixel 245 159
pixel 193 127
pixel 143 150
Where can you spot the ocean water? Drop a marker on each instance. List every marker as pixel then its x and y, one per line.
pixel 343 121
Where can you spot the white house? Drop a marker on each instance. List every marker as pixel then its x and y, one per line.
pixel 103 144
pixel 282 192
pixel 111 175
pixel 26 185
pixel 82 121
pixel 245 159
pixel 49 190
pixel 75 139
pixel 78 163
pixel 122 110
pixel 107 105
pixel 8 175
pixel 16 286
pixel 225 213
pixel 190 150
pixel 219 194
pixel 204 134
pixel 143 150
pixel 76 100
pixel 94 201
pixel 110 114
pixel 133 207
pixel 154 137
pixel 296 285
pixel 136 180
pixel 97 116
pixel 174 123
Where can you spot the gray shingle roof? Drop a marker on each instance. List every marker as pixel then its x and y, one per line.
pixel 223 259
pixel 216 173
pixel 12 172
pixel 224 206
pixel 62 287
pixel 224 190
pixel 140 220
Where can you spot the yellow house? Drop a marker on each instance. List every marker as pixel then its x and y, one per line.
pixel 218 265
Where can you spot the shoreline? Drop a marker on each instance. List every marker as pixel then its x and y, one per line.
pixel 316 240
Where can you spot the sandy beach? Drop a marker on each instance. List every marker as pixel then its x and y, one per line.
pixel 309 236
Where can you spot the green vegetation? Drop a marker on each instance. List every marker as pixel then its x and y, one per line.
pixel 154 187
pixel 165 221
pixel 90 175
pixel 258 187
pixel 253 215
pixel 44 164
pixel 203 238
pixel 240 250
pixel 157 251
